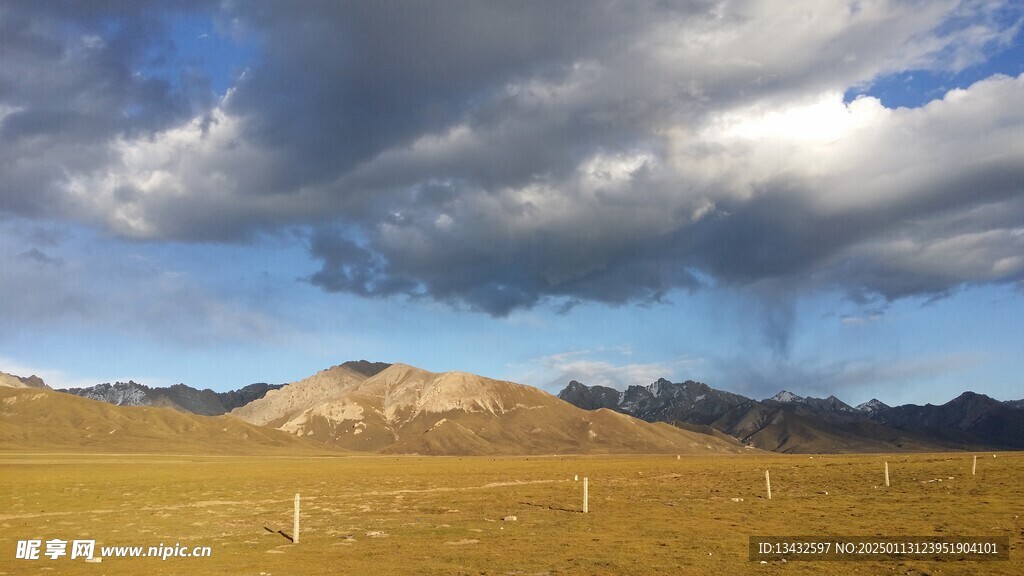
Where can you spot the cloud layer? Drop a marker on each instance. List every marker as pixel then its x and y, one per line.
pixel 494 156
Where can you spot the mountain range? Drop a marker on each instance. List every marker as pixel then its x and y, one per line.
pixel 395 408
pixel 179 396
pixel 185 398
pixel 787 422
pixel 369 407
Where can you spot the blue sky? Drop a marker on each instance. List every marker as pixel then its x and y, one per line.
pixel 827 199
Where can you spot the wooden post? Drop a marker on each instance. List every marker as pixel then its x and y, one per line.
pixel 768 484
pixel 974 467
pixel 295 525
pixel 887 474
pixel 586 497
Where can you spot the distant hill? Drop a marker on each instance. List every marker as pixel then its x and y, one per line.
pixel 179 397
pixel 12 381
pixel 403 409
pixel 788 422
pixel 47 420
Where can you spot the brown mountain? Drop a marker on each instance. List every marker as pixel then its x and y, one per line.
pixel 12 381
pixel 403 409
pixel 34 419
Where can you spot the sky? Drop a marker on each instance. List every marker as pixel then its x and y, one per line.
pixel 826 198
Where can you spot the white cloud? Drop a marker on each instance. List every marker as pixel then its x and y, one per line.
pixel 608 158
pixel 817 120
pixel 190 178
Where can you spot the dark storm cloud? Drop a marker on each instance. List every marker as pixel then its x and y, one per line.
pixel 340 82
pixel 497 155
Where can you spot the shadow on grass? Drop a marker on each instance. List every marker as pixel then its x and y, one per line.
pixel 281 532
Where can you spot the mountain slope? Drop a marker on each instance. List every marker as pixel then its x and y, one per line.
pixel 403 409
pixel 969 418
pixel 47 420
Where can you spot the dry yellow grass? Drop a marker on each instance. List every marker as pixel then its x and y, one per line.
pixel 385 515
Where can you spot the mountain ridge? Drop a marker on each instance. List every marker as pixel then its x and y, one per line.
pixel 787 422
pixel 12 381
pixel 179 397
pixel 383 407
pixel 185 398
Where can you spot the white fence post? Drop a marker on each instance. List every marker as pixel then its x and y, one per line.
pixel 586 496
pixel 295 525
pixel 768 484
pixel 887 474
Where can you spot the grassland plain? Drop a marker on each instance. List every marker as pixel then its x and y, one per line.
pixel 385 515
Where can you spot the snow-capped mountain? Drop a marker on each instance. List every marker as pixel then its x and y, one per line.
pixel 873 405
pixel 786 397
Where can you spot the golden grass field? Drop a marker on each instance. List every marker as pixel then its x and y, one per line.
pixel 377 515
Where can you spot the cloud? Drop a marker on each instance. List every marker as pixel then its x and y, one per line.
pixel 496 157
pixel 597 368
pixel 857 379
pixel 869 317
pixel 71 81
pixel 41 257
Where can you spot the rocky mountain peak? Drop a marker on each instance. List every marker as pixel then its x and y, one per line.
pixel 786 397
pixel 660 387
pixel 590 397
pixel 873 405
